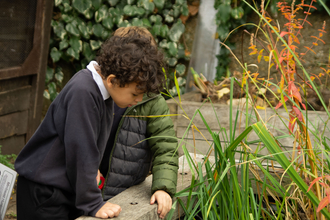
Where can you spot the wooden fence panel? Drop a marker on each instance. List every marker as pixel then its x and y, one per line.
pixel 24 40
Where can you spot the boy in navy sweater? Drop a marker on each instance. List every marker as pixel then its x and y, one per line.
pixel 59 164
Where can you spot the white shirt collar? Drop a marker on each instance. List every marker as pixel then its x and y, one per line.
pixel 98 79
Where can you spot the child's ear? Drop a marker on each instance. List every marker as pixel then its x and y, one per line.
pixel 109 80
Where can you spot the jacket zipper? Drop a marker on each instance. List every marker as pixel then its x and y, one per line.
pixel 114 143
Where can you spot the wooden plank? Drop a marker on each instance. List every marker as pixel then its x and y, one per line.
pixel 12 145
pixel 18 19
pixel 135 201
pixel 44 11
pixel 15 100
pixel 29 67
pixel 19 82
pixel 13 124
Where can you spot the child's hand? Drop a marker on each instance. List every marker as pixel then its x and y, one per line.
pixel 108 210
pixel 164 201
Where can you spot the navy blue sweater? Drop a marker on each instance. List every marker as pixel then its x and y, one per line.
pixel 67 148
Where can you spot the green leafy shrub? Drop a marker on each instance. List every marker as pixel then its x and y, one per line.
pixel 7 160
pixel 80 26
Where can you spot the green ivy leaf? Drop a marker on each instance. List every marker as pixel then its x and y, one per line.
pixel 168 4
pixel 176 10
pixel 90 28
pixel 137 22
pixel 139 11
pixel 129 10
pixel 59 76
pixel 88 14
pixel 75 44
pixel 124 23
pixel 76 21
pixel 119 17
pixel 64 44
pixel 83 30
pixel 181 53
pixel 46 94
pixel 108 23
pixel 67 7
pixel 237 13
pixel 164 31
pixel 130 2
pixel 67 18
pixel 87 51
pixel 55 54
pixel 149 6
pixel 181 81
pixel 185 10
pixel 59 30
pixel 97 30
pixel 163 44
pixel 105 34
pixel 180 2
pixel 157 19
pixel 222 31
pixel 180 69
pixel 112 12
pixel 223 14
pixel 172 61
pixel 113 2
pixel 49 74
pixel 82 5
pixel 72 29
pixel 52 90
pixel 58 2
pixel 156 29
pixel 53 23
pixel 146 22
pixel 172 49
pixel 96 4
pixel 101 13
pixel 73 53
pixel 159 4
pixel 169 19
pixel 176 31
pixel 95 44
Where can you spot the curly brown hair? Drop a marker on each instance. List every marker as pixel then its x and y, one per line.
pixel 132 56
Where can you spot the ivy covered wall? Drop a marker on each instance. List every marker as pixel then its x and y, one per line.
pixel 80 26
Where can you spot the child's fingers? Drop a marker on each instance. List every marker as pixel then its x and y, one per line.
pixel 108 210
pixel 166 207
pixel 152 200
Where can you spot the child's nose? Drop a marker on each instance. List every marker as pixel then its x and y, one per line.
pixel 139 98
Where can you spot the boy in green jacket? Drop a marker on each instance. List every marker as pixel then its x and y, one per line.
pixel 58 166
pixel 128 155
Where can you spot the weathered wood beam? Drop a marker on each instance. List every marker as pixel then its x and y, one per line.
pixel 135 201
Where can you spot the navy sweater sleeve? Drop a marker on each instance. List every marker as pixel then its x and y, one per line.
pixel 66 150
pixel 81 131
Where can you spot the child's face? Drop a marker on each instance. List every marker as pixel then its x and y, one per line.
pixel 124 96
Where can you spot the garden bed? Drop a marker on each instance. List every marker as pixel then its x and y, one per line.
pixel 217 117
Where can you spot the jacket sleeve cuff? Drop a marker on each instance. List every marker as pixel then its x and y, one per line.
pixel 97 208
pixel 165 180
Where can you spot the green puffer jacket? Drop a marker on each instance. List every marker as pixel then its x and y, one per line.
pixel 133 155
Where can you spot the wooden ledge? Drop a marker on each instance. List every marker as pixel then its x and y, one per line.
pixel 135 201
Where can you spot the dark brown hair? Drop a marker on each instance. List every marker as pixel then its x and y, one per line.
pixel 132 56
